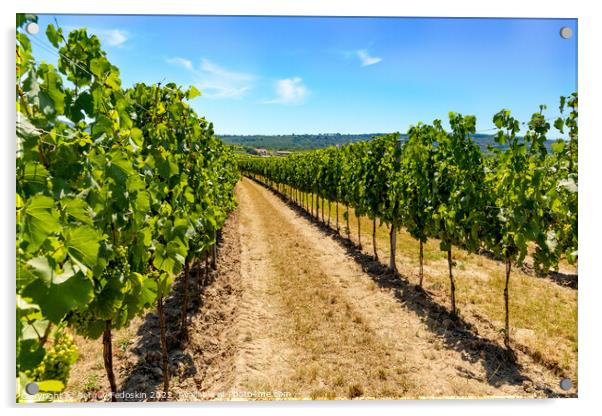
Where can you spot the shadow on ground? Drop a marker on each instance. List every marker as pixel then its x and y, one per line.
pixel 500 365
pixel 146 375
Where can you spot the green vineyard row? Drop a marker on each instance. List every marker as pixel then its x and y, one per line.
pixel 439 184
pixel 118 191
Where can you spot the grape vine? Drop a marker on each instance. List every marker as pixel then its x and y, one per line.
pixel 118 191
pixel 439 184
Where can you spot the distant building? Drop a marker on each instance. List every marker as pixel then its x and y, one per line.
pixel 262 152
pixel 282 153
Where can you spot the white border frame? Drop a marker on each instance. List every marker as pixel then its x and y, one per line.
pixel 590 149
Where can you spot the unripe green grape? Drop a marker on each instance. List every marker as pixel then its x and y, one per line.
pixel 58 360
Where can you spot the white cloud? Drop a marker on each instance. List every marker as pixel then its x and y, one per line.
pixel 289 91
pixel 366 59
pixel 216 70
pixel 181 62
pixel 114 37
pixel 215 81
pixel 222 91
pixel 108 37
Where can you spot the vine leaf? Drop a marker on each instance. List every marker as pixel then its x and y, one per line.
pixel 82 244
pixel 40 219
pixel 74 290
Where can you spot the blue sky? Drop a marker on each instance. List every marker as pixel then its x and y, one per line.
pixel 281 75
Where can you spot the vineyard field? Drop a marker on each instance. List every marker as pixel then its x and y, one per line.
pixel 479 300
pixel 263 306
pixel 159 261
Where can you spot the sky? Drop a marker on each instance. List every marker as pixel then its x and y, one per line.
pixel 307 75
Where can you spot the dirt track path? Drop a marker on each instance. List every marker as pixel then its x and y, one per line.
pixel 295 312
pixel 312 323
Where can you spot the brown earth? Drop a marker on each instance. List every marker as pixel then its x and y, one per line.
pixel 292 312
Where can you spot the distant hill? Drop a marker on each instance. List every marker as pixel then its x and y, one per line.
pixel 295 141
pixel 300 142
pixel 486 140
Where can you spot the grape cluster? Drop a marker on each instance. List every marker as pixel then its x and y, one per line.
pixel 86 322
pixel 58 360
pixel 120 263
pixel 81 321
pixel 119 266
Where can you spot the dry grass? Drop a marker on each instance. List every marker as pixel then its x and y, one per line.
pixel 329 332
pixel 543 314
pixel 337 355
pixel 88 376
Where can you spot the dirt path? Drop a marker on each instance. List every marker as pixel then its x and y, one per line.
pixel 313 324
pixel 294 312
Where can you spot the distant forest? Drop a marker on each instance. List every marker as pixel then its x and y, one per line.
pixel 295 142
pixel 299 142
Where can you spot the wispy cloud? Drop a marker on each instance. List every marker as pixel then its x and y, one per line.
pixel 181 62
pixel 114 37
pixel 289 91
pixel 366 59
pixel 216 70
pixel 215 81
pixel 108 37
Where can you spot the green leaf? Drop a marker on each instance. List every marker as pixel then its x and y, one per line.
pixel 142 202
pixel 52 86
pixel 113 80
pixel 168 167
pixel 40 220
pixel 74 290
pixel 170 258
pixel 101 125
pixel 83 103
pixel 99 67
pixel 164 284
pixel 136 136
pixel 148 291
pixel 193 92
pixel 119 166
pixel 110 299
pixel 35 176
pixel 53 35
pixel 143 294
pixel 559 124
pixel 34 330
pixel 41 268
pixel 82 243
pixel 557 146
pixel 78 210
pixel 30 355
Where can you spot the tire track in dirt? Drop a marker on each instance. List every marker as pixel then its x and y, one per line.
pixel 259 363
pixel 351 337
pixel 313 343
